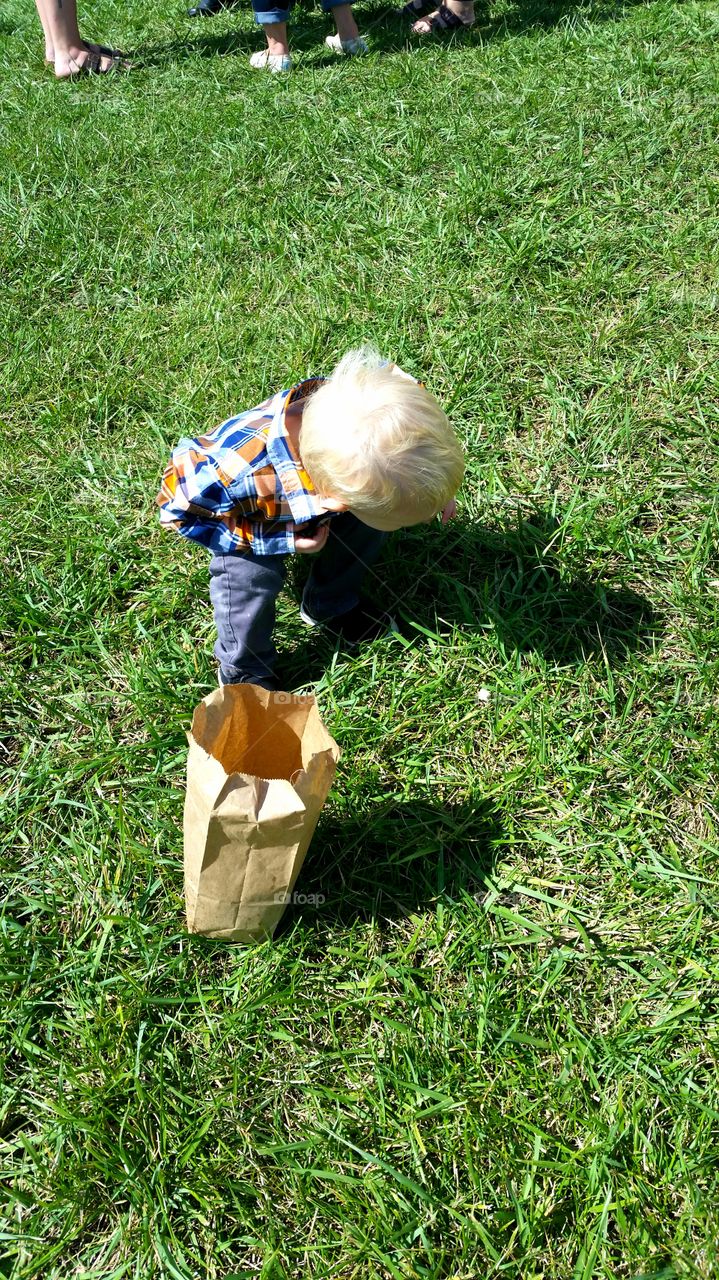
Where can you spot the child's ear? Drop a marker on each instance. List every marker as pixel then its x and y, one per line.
pixel 334 504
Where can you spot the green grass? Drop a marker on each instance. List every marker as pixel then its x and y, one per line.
pixel 491 1050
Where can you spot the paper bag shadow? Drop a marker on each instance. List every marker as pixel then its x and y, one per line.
pixel 389 862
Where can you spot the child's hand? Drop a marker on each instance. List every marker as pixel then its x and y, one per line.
pixel 450 511
pixel 314 542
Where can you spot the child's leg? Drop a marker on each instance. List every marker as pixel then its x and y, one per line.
pixel 276 37
pixel 347 28
pixel 243 590
pixel 274 22
pixel 333 587
pixel 348 38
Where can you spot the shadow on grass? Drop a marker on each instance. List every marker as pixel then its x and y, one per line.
pixel 473 578
pixel 307 30
pixel 390 33
pixel 198 44
pixel 515 581
pixel 389 861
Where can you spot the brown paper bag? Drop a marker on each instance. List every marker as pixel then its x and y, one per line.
pixel 258 772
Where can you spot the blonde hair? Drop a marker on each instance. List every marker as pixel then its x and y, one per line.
pixel 374 438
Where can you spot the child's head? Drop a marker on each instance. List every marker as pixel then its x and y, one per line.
pixel 376 441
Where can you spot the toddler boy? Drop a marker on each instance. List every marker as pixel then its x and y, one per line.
pixel 364 452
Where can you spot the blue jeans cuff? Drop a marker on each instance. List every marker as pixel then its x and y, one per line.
pixel 329 5
pixel 271 15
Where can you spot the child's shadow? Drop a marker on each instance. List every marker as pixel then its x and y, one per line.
pixel 513 582
pixel 389 860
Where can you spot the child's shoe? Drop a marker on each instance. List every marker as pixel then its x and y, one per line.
pixel 265 682
pixel 351 47
pixel 363 623
pixel 271 61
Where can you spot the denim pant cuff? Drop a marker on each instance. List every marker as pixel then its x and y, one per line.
pixel 271 15
pixel 328 5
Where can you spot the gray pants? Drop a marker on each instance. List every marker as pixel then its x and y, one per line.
pixel 244 588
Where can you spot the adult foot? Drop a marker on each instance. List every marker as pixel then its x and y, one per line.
pixel 91 60
pixel 450 16
pixel 93 48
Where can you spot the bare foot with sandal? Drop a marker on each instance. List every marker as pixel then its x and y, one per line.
pixel 452 15
pixel 65 48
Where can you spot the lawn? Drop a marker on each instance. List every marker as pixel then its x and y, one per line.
pixel 487 1044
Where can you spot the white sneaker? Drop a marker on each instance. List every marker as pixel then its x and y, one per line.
pixel 351 47
pixel 307 618
pixel 271 61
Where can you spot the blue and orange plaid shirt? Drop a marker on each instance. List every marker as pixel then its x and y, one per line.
pixel 242 487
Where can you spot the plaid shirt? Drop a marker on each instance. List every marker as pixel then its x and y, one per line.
pixel 242 487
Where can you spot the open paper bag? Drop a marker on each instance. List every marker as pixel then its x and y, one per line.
pixel 259 769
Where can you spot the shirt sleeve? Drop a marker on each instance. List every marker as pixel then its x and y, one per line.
pixel 204 503
pixel 195 483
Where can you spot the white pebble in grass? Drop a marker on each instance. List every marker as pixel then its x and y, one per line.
pixel 484 695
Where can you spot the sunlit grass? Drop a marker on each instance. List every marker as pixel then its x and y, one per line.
pixel 489 1048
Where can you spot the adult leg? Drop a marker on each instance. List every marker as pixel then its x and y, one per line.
pixel 337 573
pixel 41 6
pixel 63 43
pixel 243 590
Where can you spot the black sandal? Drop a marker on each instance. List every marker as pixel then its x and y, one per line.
pixel 92 65
pixel 90 45
pixel 443 20
pixel 103 49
